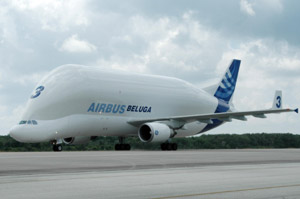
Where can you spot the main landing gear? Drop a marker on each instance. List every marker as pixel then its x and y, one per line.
pixel 168 146
pixel 122 146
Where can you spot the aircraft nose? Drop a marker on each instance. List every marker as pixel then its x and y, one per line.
pixel 12 132
pixel 15 133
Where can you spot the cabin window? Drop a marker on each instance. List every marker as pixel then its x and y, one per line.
pixel 23 122
pixel 29 122
pixel 34 122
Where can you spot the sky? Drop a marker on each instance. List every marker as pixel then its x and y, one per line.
pixel 191 40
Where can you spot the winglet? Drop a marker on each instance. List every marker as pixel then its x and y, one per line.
pixel 277 102
pixel 296 110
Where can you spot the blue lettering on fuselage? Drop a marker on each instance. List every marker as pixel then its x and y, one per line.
pixel 140 109
pixel 117 108
pixel 91 108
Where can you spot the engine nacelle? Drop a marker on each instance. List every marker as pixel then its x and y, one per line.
pixel 155 132
pixel 78 140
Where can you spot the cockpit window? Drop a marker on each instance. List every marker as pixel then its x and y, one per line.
pixel 34 122
pixel 23 122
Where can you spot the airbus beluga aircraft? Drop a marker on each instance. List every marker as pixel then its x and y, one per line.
pixel 74 104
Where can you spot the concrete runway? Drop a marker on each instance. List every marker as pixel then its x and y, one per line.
pixel 151 174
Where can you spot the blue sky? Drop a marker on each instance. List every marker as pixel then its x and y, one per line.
pixel 192 40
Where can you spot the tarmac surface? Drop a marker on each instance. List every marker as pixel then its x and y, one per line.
pixel 260 174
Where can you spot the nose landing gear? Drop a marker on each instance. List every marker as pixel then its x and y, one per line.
pixel 57 145
pixel 57 148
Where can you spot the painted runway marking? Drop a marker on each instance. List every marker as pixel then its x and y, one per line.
pixel 228 191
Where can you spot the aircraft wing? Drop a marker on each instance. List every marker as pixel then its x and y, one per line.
pixel 207 118
pixel 179 121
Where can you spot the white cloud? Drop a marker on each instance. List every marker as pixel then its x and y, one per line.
pixel 271 5
pixel 9 117
pixel 170 46
pixel 246 7
pixel 26 79
pixel 8 32
pixel 54 15
pixel 74 45
pixel 261 7
pixel 137 64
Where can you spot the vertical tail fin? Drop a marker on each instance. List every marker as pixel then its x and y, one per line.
pixel 227 85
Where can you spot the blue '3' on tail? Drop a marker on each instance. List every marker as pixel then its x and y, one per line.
pixel 228 82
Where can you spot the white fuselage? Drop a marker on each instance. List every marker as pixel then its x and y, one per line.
pixel 86 101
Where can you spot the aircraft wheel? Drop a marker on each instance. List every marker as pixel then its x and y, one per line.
pixel 117 147
pixel 57 148
pixel 163 146
pixel 169 146
pixel 174 146
pixel 122 147
pixel 127 147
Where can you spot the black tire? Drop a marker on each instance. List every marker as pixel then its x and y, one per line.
pixel 163 146
pixel 57 148
pixel 169 146
pixel 122 147
pixel 127 147
pixel 117 147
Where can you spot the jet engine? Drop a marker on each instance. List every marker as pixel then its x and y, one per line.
pixel 78 140
pixel 155 132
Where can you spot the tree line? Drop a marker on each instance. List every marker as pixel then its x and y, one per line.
pixel 220 141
